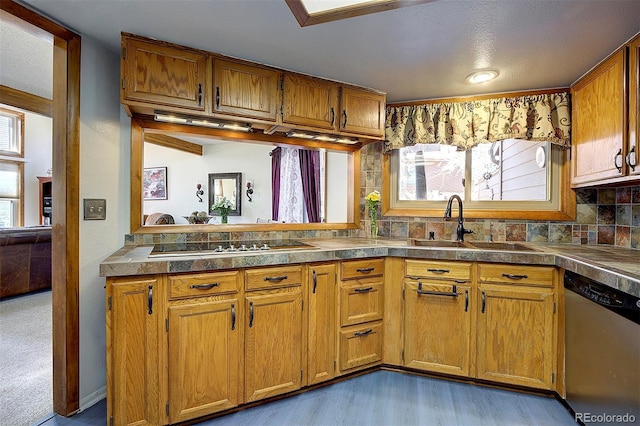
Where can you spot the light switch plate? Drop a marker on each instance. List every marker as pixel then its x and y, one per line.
pixel 95 209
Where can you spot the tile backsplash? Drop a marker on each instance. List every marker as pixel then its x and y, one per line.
pixel 608 216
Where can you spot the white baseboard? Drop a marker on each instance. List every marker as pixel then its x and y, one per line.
pixel 93 398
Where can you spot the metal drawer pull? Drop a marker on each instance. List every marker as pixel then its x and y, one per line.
pixel 233 316
pixel 150 299
pixel 514 276
pixel 484 302
pixel 615 160
pixel 362 333
pixel 199 94
pixel 438 293
pixel 217 97
pixel 439 271
pixel 466 300
pixel 363 290
pixel 280 278
pixel 365 270
pixel 315 281
pixel 250 314
pixel 204 286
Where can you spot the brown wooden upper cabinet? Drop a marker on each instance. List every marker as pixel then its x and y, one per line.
pixel 605 121
pixel 309 102
pixel 163 75
pixel 160 76
pixel 362 112
pixel 244 90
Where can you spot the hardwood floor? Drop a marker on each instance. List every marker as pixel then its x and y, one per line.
pixel 385 398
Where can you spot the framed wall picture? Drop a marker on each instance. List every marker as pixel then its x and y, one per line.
pixel 154 183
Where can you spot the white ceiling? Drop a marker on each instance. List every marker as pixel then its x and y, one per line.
pixel 419 52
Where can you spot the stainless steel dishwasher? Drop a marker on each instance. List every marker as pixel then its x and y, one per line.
pixel 602 352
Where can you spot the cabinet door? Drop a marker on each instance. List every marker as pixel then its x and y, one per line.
pixel 322 323
pixel 204 358
pixel 360 346
pixel 164 75
pixel 599 122
pixel 362 112
pixel 633 156
pixel 133 364
pixel 273 345
pixel 245 90
pixel 310 102
pixel 361 301
pixel 438 327
pixel 516 337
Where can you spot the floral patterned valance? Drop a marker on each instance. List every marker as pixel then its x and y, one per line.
pixel 544 117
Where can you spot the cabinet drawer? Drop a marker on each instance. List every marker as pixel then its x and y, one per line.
pixel 459 271
pixel 266 278
pixel 361 303
pixel 195 285
pixel 360 346
pixel 354 269
pixel 516 274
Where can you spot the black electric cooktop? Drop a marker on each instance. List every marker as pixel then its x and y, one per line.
pixel 220 247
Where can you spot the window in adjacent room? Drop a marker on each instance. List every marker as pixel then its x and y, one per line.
pixel 11 167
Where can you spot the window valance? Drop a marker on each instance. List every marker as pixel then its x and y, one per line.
pixel 544 117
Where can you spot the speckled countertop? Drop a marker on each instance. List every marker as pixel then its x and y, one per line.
pixel 614 266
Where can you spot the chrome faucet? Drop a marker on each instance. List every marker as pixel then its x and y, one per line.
pixel 460 231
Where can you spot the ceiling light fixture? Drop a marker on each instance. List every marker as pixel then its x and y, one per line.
pixel 167 118
pixel 482 76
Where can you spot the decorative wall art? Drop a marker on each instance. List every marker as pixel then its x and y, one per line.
pixel 154 183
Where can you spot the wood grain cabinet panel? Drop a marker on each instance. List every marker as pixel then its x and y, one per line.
pixel 270 278
pixel 244 90
pixel 134 306
pixel 633 156
pixel 309 102
pixel 204 357
pixel 360 345
pixel 273 343
pixel 605 123
pixel 362 112
pixel 321 296
pixel 361 301
pixel 516 336
pixel 206 284
pixel 438 270
pixel 366 268
pixel 164 75
pixel 438 327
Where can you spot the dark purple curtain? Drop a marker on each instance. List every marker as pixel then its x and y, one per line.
pixel 276 156
pixel 310 171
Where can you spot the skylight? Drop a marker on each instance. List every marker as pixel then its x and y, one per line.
pixel 312 12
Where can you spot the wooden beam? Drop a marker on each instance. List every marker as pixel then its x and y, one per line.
pixel 65 275
pixel 174 143
pixel 26 101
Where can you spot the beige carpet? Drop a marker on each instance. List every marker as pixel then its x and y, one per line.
pixel 25 359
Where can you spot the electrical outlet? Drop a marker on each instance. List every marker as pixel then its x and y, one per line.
pixel 95 209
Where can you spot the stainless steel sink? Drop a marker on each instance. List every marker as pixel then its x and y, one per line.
pixel 501 246
pixel 477 245
pixel 440 244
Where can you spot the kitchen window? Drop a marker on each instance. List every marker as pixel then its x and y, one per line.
pixel 11 168
pixel 511 179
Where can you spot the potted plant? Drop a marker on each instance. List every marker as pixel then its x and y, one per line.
pixel 222 207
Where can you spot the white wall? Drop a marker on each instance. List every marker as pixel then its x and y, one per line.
pixel 104 173
pixel 37 153
pixel 185 170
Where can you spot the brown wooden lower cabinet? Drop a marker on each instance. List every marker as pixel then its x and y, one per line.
pixel 204 357
pixel 438 327
pixel 516 336
pixel 183 346
pixel 273 343
pixel 360 345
